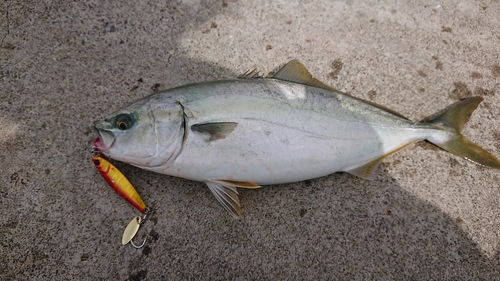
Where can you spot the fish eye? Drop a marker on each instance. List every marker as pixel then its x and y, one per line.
pixel 123 121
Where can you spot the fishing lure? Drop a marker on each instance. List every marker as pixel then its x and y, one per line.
pixel 123 187
pixel 119 182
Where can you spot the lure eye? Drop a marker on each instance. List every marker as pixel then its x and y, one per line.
pixel 123 122
pixel 97 162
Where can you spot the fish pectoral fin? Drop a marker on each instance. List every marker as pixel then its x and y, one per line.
pixel 227 197
pixel 367 170
pixel 296 72
pixel 217 131
pixel 242 184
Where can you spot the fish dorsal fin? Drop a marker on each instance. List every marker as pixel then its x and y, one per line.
pixel 296 72
pixel 217 131
pixel 367 170
pixel 251 73
pixel 227 197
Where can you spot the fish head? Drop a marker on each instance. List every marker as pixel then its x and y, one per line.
pixel 145 134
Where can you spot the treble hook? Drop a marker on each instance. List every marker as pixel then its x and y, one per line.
pixel 132 229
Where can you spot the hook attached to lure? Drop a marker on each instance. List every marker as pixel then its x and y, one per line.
pixel 119 182
pixel 132 229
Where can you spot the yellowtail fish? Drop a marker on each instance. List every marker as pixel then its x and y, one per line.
pixel 256 131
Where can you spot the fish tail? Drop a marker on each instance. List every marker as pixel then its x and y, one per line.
pixel 452 120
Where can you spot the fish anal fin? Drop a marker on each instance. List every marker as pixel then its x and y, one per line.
pixel 227 197
pixel 367 170
pixel 242 184
pixel 296 72
pixel 217 131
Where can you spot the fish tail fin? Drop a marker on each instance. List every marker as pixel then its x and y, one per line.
pixel 452 120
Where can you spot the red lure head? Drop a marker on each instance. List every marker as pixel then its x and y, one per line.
pixel 101 165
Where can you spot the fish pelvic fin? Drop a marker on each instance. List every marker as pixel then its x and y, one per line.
pixel 227 197
pixel 452 120
pixel 242 184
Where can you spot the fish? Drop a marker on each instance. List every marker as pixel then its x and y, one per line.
pixel 254 131
pixel 119 182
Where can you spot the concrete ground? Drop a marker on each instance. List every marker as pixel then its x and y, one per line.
pixel 65 64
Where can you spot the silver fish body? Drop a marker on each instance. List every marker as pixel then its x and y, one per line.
pixel 285 132
pixel 259 131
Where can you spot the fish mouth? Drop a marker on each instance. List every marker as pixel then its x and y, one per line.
pixel 105 139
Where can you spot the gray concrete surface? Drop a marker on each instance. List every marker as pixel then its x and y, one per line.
pixel 65 64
